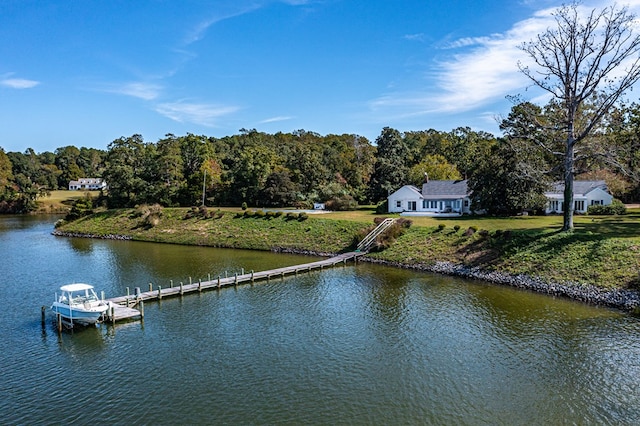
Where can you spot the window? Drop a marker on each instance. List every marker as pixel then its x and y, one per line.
pixel 579 205
pixel 411 205
pixel 398 204
pixel 466 203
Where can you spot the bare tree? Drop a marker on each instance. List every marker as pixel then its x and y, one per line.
pixel 583 57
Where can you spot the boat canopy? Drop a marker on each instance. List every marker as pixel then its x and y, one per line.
pixel 76 287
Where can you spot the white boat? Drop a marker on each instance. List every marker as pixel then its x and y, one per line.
pixel 78 303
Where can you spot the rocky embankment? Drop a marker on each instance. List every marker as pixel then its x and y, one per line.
pixel 80 235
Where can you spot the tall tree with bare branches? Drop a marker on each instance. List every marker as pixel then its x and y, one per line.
pixel 586 55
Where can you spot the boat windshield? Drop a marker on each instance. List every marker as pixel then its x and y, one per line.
pixel 86 296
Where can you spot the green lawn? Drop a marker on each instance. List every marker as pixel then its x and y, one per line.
pixel 60 201
pixel 602 250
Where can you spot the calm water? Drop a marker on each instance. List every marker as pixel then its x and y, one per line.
pixel 352 345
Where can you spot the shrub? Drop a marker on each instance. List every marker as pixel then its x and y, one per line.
pixel 388 237
pixel 615 208
pixel 441 226
pixel 303 216
pixel 149 215
pixel 259 214
pixel 383 207
pixel 404 223
pixel 379 220
pixel 341 203
pixel 456 228
pixel 244 206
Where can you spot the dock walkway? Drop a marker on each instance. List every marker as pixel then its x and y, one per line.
pixel 124 306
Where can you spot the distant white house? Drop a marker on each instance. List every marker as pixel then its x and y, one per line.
pixel 436 198
pixel 87 184
pixel 585 193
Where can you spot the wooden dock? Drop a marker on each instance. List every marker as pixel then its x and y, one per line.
pixel 124 306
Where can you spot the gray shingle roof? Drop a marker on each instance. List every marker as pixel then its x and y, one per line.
pixel 443 189
pixel 580 187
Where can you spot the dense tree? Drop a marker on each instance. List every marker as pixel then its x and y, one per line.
pixel 249 172
pixel 279 190
pixel 580 59
pixel 6 176
pixel 434 167
pixel 91 162
pixel 67 163
pixel 125 171
pixel 508 181
pixel 390 170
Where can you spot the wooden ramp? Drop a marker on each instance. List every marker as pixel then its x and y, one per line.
pixel 124 305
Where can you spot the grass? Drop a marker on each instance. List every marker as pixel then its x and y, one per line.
pixel 61 201
pixel 602 250
pixel 315 234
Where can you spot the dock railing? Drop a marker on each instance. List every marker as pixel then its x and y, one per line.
pixel 367 241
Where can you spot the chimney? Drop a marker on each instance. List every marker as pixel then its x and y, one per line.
pixel 426 177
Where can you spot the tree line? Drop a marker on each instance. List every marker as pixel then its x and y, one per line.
pixel 585 62
pixel 507 174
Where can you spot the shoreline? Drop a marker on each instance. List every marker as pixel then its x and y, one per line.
pixel 626 300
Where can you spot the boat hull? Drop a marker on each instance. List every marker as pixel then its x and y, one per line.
pixel 79 315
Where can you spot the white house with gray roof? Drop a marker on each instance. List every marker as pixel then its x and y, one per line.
pixel 585 193
pixel 87 184
pixel 436 198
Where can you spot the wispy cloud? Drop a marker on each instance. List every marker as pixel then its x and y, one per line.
pixel 480 70
pixel 198 31
pixel 230 10
pixel 18 83
pixel 197 113
pixel 139 90
pixel 276 119
pixel 414 37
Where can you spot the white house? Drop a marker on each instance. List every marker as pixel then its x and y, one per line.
pixel 437 198
pixel 585 193
pixel 87 184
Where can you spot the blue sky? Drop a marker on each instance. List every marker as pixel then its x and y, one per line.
pixel 84 73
